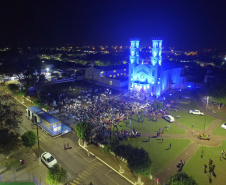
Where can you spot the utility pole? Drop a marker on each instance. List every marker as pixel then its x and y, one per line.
pixel 39 159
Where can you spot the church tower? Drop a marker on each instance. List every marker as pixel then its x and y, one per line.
pixel 134 59
pixel 145 76
pixel 156 63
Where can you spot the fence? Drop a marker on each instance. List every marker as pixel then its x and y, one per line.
pixel 20 178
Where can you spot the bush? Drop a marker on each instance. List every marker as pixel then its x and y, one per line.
pixel 181 178
pixel 105 149
pixel 13 88
pixel 29 138
pixel 37 103
pixel 56 175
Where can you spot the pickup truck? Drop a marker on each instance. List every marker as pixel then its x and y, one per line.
pixel 196 112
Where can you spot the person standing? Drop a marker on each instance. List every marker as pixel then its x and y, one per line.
pixel 142 118
pixel 162 138
pixel 130 122
pixel 202 154
pixel 170 145
pixel 149 138
pixel 205 168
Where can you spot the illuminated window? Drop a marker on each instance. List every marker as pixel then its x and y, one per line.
pixel 114 71
pixel 125 74
pixel 118 74
pixel 121 73
pixel 110 76
pixel 114 76
pixel 124 69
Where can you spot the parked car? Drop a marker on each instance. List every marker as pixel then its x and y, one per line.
pixel 196 112
pixel 169 118
pixel 223 126
pixel 48 159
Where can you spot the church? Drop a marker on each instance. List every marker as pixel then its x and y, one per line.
pixel 153 76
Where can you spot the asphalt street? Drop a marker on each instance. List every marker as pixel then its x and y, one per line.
pixel 82 169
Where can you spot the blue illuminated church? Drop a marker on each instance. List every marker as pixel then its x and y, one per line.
pixel 153 76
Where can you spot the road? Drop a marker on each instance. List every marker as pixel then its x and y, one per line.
pixel 81 168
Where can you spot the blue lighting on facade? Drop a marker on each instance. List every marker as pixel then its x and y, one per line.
pixel 150 76
pixel 143 76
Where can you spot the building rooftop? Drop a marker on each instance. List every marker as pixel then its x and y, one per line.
pixel 112 67
pixel 166 65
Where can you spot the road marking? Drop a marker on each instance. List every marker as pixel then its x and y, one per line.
pixel 100 164
pixel 83 174
pixel 87 172
pixel 72 183
pixel 22 128
pixel 110 177
pixel 77 182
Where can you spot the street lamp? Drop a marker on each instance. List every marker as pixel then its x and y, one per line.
pixel 207 101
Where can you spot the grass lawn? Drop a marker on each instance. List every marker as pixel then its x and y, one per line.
pixel 219 130
pixel 159 151
pixel 194 166
pixel 17 183
pixel 150 126
pixel 187 119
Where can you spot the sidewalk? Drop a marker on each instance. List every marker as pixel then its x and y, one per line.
pixel 22 173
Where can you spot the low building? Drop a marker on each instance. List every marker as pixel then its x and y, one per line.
pixel 116 75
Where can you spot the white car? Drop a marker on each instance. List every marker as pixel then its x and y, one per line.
pixel 223 126
pixel 169 118
pixel 196 112
pixel 48 159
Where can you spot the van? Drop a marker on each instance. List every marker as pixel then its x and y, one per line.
pixel 169 118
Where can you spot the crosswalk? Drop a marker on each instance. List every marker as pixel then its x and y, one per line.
pixel 85 174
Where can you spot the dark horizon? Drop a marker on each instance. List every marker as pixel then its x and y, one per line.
pixel 187 24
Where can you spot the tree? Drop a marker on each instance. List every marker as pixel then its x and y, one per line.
pixel 157 105
pixel 38 84
pixel 181 178
pixel 37 103
pixel 8 141
pixel 83 130
pixel 10 116
pixel 29 70
pixel 13 88
pixel 29 138
pixel 139 161
pixel 56 175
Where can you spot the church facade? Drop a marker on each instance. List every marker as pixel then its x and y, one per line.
pixel 152 76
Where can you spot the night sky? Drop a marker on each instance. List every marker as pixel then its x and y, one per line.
pixel 182 23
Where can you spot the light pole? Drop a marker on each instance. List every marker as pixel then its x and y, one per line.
pixel 207 100
pixel 39 158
